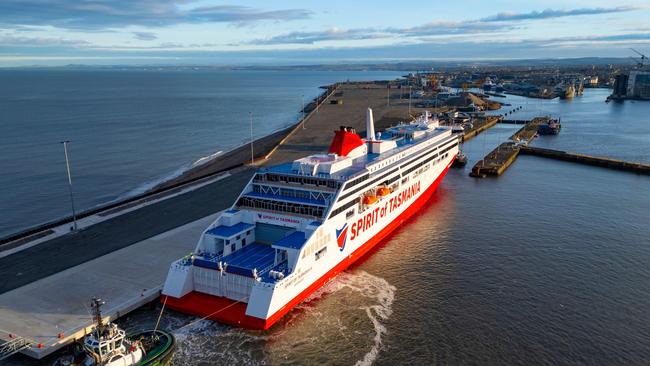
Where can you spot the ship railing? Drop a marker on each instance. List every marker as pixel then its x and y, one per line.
pixel 13 346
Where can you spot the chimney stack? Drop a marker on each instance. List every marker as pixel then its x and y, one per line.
pixel 370 126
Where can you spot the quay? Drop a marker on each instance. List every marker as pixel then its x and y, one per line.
pixel 499 159
pixel 54 311
pixel 514 121
pixel 603 162
pixel 480 125
pixel 122 252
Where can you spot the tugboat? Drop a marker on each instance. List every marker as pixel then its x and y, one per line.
pixel 108 345
pixel 552 127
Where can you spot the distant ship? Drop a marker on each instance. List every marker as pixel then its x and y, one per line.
pixel 565 90
pixel 488 85
pixel 295 226
pixel 552 127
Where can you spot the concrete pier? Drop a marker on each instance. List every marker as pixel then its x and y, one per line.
pixel 602 162
pixel 499 159
pixel 54 311
pixel 480 125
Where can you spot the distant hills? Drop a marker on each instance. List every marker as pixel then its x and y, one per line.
pixel 364 66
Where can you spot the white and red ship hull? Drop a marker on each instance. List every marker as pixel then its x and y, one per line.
pixel 346 239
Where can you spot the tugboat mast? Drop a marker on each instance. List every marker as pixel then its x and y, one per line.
pixel 96 304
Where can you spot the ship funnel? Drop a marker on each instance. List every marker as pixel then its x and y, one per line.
pixel 370 126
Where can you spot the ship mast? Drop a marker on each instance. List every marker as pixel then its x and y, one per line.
pixel 96 305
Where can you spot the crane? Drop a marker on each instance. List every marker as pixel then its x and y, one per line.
pixel 643 58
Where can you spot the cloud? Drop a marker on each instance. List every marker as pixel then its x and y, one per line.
pixel 144 36
pixel 496 23
pixel 556 13
pixel 613 38
pixel 461 51
pixel 100 14
pixel 319 36
pixel 9 40
pixel 439 28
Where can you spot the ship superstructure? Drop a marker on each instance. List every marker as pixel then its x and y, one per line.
pixel 296 225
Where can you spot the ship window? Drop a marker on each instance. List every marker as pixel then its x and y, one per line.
pixel 243 242
pixel 233 247
pixel 319 254
pixel 349 214
pixel 343 208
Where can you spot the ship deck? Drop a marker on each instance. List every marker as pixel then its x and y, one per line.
pixel 360 165
pixel 254 256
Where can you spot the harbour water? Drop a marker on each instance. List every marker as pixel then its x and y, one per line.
pixel 548 264
pixel 131 129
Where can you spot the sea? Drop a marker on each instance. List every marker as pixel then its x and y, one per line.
pixel 131 129
pixel 548 264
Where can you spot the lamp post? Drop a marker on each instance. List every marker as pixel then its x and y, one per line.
pixel 250 117
pixel 67 165
pixel 302 99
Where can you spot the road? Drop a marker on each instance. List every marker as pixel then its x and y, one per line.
pixel 72 249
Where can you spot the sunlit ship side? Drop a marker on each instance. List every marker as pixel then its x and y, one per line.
pixel 295 226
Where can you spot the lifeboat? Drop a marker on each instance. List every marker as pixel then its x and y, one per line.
pixel 370 200
pixel 383 191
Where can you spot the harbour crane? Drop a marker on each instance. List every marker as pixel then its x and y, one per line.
pixel 643 57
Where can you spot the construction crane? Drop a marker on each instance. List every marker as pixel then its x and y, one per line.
pixel 643 57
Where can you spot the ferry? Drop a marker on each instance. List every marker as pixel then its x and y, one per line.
pixel 295 226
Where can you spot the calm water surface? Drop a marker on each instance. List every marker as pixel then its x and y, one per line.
pixel 130 129
pixel 549 264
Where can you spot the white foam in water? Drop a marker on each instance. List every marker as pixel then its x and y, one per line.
pixel 206 342
pixel 206 159
pixel 176 173
pixel 376 288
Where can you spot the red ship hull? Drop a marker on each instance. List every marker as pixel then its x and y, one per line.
pixel 232 312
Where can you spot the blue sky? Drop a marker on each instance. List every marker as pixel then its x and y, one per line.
pixel 58 32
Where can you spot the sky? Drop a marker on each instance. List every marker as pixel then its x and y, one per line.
pixel 283 32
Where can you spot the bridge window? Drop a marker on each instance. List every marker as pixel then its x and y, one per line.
pixel 321 253
pixel 281 206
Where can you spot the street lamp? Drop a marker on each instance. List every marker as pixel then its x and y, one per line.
pixel 410 100
pixel 250 117
pixel 302 99
pixel 67 165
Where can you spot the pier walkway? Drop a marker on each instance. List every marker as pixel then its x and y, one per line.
pixel 53 311
pixel 603 162
pixel 499 159
pixel 60 253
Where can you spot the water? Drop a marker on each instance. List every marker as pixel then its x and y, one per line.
pixel 548 264
pixel 130 129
